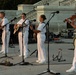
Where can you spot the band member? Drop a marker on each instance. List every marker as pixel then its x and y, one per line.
pixel 5 33
pixel 23 45
pixel 72 22
pixel 41 39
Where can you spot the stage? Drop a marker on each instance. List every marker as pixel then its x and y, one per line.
pixel 66 46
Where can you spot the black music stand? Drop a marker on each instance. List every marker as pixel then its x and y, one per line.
pixel 48 69
pixel 59 56
pixel 35 51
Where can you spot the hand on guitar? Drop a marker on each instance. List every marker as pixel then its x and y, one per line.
pixel 1 27
pixel 15 26
pixel 20 25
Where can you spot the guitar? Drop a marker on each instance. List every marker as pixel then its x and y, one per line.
pixel 17 27
pixel 1 27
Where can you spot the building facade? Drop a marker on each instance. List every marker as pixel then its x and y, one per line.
pixel 65 7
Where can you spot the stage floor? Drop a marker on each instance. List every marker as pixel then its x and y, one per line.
pixel 38 68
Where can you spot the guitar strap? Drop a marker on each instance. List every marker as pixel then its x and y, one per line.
pixel 20 29
pixel 24 21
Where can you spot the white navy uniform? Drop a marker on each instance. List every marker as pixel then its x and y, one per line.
pixel 40 42
pixel 25 37
pixel 73 68
pixel 5 35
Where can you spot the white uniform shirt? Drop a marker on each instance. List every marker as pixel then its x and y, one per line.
pixel 4 22
pixel 26 22
pixel 41 28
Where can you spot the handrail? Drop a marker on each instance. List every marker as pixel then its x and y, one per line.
pixel 42 2
pixel 64 1
pixel 31 13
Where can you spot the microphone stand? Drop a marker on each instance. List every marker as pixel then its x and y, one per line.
pixel 23 59
pixel 48 69
pixel 6 62
pixel 36 51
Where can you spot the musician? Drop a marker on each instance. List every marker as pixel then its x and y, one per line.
pixel 23 30
pixel 72 21
pixel 5 33
pixel 41 39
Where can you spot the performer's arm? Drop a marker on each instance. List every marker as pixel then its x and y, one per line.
pixel 74 26
pixel 71 23
pixel 35 31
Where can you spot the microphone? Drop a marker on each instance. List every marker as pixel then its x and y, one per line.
pixel 34 20
pixel 13 19
pixel 55 12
